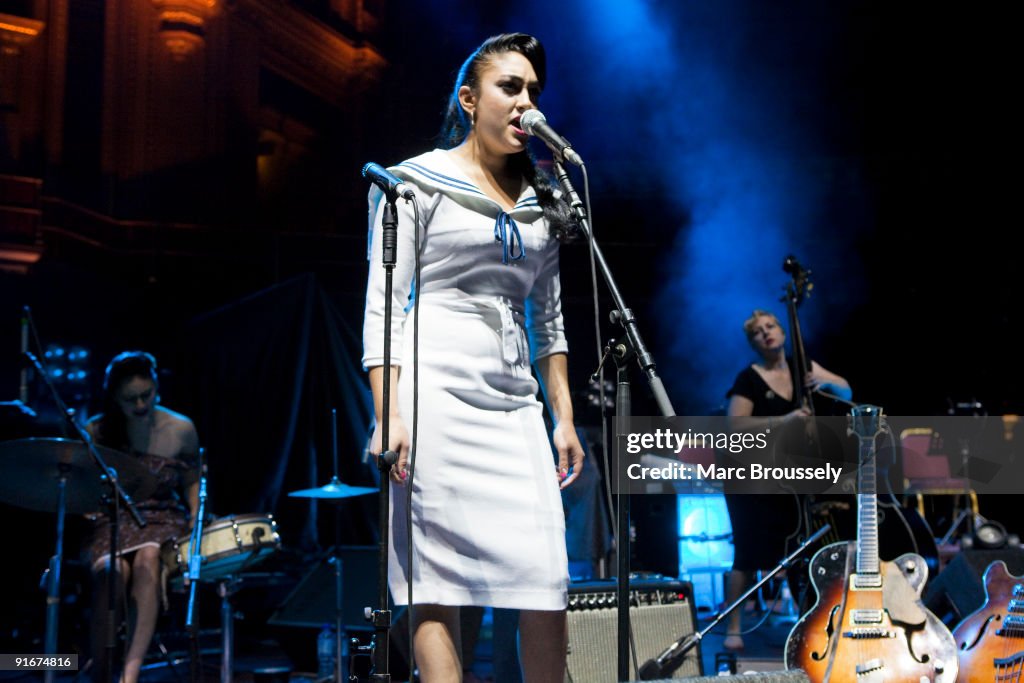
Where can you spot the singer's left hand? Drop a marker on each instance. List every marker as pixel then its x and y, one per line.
pixel 570 453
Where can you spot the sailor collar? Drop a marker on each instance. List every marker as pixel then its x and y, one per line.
pixel 435 171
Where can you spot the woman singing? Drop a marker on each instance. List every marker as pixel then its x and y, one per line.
pixel 487 521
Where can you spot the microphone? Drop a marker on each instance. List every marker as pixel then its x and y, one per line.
pixel 533 122
pixel 388 182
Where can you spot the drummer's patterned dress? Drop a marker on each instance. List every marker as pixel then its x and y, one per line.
pixel 165 512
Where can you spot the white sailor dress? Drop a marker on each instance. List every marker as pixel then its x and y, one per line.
pixel 487 520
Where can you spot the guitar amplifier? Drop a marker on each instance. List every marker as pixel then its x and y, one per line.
pixel 661 612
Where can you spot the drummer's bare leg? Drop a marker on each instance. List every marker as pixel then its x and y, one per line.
pixel 146 596
pixel 103 627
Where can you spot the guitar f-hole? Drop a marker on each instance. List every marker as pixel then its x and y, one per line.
pixel 981 631
pixel 909 636
pixel 830 631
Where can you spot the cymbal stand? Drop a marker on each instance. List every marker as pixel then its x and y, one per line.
pixel 340 665
pixel 339 634
pixel 54 570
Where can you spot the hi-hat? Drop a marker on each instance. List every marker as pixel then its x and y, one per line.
pixel 333 490
pixel 30 470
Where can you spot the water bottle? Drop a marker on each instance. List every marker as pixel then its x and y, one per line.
pixel 325 653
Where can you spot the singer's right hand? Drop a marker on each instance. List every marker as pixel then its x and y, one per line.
pixel 399 441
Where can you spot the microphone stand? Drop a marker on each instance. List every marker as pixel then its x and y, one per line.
pixel 625 314
pixel 53 574
pixel 621 355
pixel 195 561
pixel 381 617
pixel 671 658
pixel 634 346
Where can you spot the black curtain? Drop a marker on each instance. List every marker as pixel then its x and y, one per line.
pixel 265 373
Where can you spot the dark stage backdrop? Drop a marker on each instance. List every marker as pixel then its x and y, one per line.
pixel 265 373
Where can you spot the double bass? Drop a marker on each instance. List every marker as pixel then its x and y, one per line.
pixel 797 289
pixel 901 528
pixel 868 623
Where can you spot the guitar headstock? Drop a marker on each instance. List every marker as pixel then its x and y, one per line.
pixel 866 421
pixel 800 285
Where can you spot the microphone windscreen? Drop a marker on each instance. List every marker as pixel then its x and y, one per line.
pixel 529 119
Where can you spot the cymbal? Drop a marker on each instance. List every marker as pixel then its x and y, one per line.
pixel 333 490
pixel 30 469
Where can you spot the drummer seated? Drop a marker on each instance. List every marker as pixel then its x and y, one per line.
pixel 165 443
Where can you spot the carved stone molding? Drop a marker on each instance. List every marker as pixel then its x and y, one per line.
pixel 182 24
pixel 17 32
pixel 309 53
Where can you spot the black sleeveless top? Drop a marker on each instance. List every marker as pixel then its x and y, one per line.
pixel 761 525
pixel 750 385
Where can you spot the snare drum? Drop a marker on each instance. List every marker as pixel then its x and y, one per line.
pixel 229 545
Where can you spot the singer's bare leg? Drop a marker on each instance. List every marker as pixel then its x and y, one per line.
pixel 437 643
pixel 543 641
pixel 737 583
pixel 146 595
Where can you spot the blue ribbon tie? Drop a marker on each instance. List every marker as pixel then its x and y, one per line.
pixel 511 241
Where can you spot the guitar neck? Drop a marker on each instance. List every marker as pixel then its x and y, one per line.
pixel 867 509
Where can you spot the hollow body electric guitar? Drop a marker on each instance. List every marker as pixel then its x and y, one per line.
pixel 868 624
pixel 991 640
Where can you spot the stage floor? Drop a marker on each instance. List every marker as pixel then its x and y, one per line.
pixel 286 656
